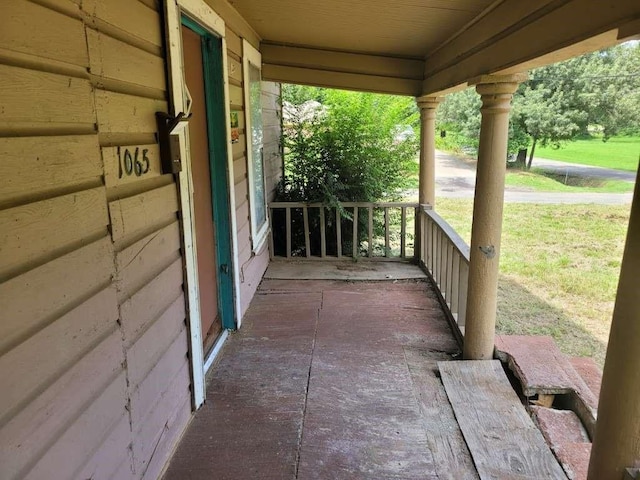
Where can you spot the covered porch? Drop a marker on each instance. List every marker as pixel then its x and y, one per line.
pixel 341 379
pixel 331 412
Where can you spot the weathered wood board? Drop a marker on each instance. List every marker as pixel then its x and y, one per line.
pixel 33 167
pixel 503 440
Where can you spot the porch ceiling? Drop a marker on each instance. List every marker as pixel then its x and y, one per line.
pixel 402 28
pixel 417 47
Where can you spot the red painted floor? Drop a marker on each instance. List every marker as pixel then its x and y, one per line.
pixel 330 380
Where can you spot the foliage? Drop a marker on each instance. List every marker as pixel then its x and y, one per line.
pixel 459 116
pixel 342 146
pixel 598 91
pixel 346 146
pixel 544 114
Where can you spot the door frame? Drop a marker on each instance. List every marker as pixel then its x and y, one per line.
pixel 201 14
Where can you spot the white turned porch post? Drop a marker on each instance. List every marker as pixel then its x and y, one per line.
pixel 427 180
pixel 617 441
pixel 497 92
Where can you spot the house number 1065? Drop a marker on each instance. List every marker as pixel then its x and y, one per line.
pixel 132 163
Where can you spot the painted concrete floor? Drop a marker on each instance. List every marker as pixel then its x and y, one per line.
pixel 342 270
pixel 330 380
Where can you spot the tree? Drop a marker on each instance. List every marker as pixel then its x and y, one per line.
pixel 459 114
pixel 598 91
pixel 544 116
pixel 342 146
pixel 345 146
pixel 610 86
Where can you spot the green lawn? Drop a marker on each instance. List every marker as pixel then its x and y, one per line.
pixel 559 269
pixel 621 153
pixel 536 180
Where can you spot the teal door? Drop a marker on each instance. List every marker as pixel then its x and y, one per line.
pixel 208 152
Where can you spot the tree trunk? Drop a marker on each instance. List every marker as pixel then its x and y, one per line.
pixel 533 149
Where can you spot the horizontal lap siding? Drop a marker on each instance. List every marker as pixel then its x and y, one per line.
pixel 125 53
pixel 252 264
pixel 93 340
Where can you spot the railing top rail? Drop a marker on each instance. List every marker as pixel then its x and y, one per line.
pixel 345 204
pixel 455 238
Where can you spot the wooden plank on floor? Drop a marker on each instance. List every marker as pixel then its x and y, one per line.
pixel 503 440
pixel 451 456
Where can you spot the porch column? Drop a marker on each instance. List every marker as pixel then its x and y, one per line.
pixel 617 441
pixel 496 92
pixel 427 181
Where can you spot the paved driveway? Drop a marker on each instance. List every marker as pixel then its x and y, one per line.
pixel 456 177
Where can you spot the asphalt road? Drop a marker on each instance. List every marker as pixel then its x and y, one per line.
pixel 455 178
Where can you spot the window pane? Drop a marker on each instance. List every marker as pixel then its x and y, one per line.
pixel 255 94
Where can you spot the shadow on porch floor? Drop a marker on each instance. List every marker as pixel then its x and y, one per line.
pixel 330 379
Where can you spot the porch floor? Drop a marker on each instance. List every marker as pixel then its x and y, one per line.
pixel 343 270
pixel 330 380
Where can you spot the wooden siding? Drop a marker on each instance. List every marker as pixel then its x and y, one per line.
pixel 93 339
pixel 252 264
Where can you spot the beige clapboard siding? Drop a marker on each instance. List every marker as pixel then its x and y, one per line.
pixel 144 260
pixel 33 233
pixel 270 100
pixel 171 436
pixel 239 149
pixel 110 453
pixel 36 167
pixel 168 436
pixel 242 214
pixel 28 434
pixel 234 42
pixel 70 452
pixel 239 169
pixel 270 118
pixel 124 471
pixel 236 97
pixel 157 384
pixel 252 273
pixel 132 21
pixel 141 213
pixel 122 113
pixel 244 255
pixel 235 69
pixel 242 192
pixel 138 312
pixel 70 8
pixel 58 36
pixel 48 292
pixel 31 101
pixel 146 352
pixel 117 60
pixel 244 237
pixel 93 65
pixel 169 396
pixel 66 341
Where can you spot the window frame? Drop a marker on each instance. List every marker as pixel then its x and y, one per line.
pixel 251 57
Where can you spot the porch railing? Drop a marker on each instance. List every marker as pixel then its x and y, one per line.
pixel 366 230
pixel 445 256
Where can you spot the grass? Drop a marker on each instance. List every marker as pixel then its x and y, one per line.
pixel 621 153
pixel 559 270
pixel 540 181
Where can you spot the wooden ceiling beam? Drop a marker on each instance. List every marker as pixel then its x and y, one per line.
pixel 343 62
pixel 491 46
pixel 348 81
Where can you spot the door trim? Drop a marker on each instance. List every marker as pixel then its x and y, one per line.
pixel 203 15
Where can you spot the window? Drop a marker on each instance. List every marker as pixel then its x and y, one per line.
pixel 254 132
